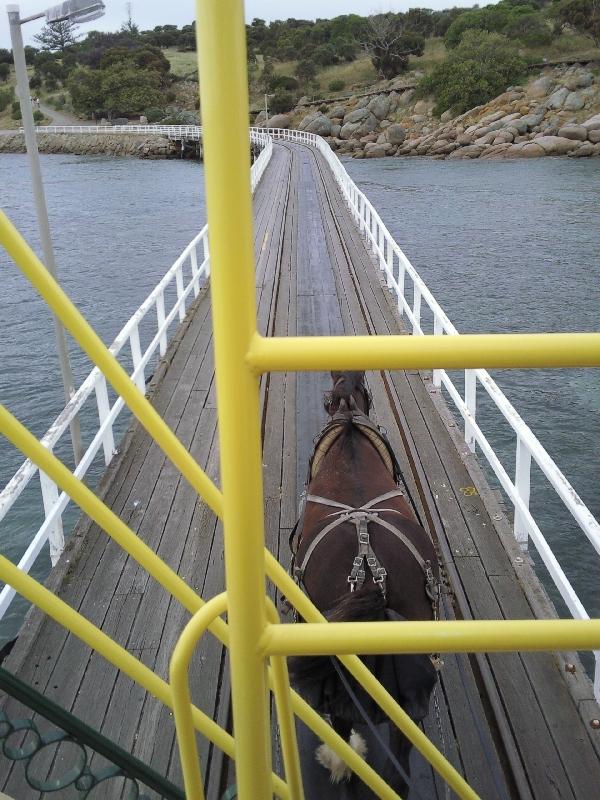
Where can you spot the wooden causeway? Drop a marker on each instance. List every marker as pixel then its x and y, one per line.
pixel 508 722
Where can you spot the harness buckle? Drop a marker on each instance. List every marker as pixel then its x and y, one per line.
pixel 363 537
pixel 371 561
pixel 357 562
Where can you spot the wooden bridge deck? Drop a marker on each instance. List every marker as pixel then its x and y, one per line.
pixel 509 723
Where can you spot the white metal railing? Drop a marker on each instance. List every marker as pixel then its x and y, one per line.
pixel 398 270
pixel 178 132
pixel 189 270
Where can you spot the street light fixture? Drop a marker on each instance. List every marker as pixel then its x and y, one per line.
pixel 77 11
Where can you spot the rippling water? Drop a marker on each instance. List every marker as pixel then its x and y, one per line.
pixel 514 246
pixel 503 246
pixel 118 224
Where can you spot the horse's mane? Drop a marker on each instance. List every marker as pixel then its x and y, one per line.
pixel 346 384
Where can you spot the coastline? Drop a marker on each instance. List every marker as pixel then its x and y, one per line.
pixel 120 144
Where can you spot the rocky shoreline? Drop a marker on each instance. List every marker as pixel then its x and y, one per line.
pixel 85 144
pixel 557 113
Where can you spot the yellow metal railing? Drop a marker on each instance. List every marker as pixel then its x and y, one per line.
pixel 253 633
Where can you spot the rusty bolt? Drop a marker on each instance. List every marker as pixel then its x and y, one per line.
pixel 595 724
pixel 570 668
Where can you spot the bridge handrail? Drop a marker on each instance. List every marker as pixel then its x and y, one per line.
pixel 396 266
pixel 187 132
pixel 51 530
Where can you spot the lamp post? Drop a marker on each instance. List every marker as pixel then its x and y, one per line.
pixel 266 108
pixel 78 11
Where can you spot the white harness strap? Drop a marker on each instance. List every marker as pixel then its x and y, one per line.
pixel 360 517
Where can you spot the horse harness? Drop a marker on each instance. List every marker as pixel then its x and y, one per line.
pixel 360 517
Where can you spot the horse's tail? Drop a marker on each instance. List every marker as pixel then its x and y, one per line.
pixel 318 680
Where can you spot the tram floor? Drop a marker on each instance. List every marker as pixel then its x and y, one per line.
pixel 508 722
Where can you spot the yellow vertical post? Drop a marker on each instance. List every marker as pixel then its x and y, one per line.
pixel 225 115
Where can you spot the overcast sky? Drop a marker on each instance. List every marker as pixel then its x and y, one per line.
pixel 148 13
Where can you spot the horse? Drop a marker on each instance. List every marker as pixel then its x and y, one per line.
pixel 360 554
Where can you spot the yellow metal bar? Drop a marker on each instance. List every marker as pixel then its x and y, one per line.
pixel 479 636
pixel 70 619
pixel 369 682
pixel 18 434
pixel 182 702
pixel 468 351
pixel 280 681
pixel 224 96
pixel 82 332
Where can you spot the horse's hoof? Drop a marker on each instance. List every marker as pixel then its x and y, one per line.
pixel 338 769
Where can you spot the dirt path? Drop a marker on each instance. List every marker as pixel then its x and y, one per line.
pixel 61 118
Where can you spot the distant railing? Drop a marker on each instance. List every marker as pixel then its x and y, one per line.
pixel 397 269
pixel 194 261
pixel 177 132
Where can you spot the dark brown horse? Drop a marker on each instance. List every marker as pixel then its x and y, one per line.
pixel 360 554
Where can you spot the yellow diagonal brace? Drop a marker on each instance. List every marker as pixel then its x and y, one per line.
pixel 102 515
pixel 70 619
pixel 468 351
pixel 83 333
pixel 370 684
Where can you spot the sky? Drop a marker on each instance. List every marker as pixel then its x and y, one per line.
pixel 148 13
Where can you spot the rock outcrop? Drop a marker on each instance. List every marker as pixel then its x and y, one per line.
pixel 556 113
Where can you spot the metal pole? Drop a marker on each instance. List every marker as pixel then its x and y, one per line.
pixel 41 210
pixel 266 111
pixel 227 181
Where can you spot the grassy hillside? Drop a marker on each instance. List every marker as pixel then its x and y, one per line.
pixel 360 74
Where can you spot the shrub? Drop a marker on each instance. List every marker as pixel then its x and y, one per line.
pixel 306 71
pixel 38 116
pixel 16 110
pixel 531 29
pixel 282 101
pixel 337 85
pixel 35 82
pixel 284 83
pixel 154 115
pixel 480 68
pixel 6 96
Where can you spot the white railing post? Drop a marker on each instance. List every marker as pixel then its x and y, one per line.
pixel 361 213
pixel 180 299
pixel 523 486
pixel 206 260
pixel 471 403
pixel 390 263
pixel 56 536
pixel 381 243
pixel 438 330
pixel 416 310
pixel 401 277
pixel 108 441
pixel 194 263
pixel 136 355
pixel 160 318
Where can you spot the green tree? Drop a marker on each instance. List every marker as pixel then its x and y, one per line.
pixel 4 72
pixel 86 92
pixel 306 71
pixel 129 90
pixel 390 44
pixel 581 15
pixel 57 36
pixel 478 69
